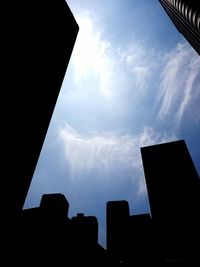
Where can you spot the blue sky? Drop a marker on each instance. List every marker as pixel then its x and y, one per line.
pixel 132 81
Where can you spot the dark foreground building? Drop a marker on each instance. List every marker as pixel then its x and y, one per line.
pixel 42 35
pixel 173 188
pixel 130 238
pixel 117 216
pixel 168 237
pixel 45 235
pixel 185 14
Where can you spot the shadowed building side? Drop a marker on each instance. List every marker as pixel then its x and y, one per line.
pixel 185 14
pixel 43 33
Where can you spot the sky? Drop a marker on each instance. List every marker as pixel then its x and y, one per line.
pixel 132 81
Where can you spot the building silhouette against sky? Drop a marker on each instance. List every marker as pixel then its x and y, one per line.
pixel 43 35
pixel 185 14
pixel 168 236
pixel 56 205
pixel 49 237
pixel 173 187
pixel 117 216
pixel 46 32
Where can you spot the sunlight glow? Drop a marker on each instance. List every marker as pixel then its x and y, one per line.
pixel 91 55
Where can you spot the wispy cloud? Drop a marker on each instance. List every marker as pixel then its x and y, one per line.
pixel 140 61
pixel 180 82
pixel 112 65
pixel 108 153
pixel 137 66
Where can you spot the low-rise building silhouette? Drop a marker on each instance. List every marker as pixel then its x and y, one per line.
pixel 167 236
pixel 56 205
pixel 57 238
pixel 129 237
pixel 85 229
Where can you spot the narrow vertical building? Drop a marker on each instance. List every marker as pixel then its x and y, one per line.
pixel 185 14
pixel 173 187
pixel 117 218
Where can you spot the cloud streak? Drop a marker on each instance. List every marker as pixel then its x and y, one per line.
pixel 140 61
pixel 113 66
pixel 180 81
pixel 107 153
pixel 117 69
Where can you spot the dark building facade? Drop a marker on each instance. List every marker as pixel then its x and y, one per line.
pixel 173 187
pixel 43 34
pixel 55 204
pixel 169 236
pixel 85 229
pixel 185 14
pixel 129 237
pixel 117 216
pixel 143 246
pixel 48 236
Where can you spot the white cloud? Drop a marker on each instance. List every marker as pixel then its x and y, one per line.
pixel 108 153
pixel 180 81
pixel 140 61
pixel 117 69
pixel 112 65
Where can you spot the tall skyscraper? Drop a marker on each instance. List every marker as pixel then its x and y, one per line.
pixel 42 36
pixel 185 14
pixel 173 187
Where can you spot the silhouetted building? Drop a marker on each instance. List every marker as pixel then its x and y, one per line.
pixel 169 236
pixel 185 14
pixel 85 241
pixel 173 188
pixel 56 205
pixel 85 229
pixel 44 234
pixel 117 216
pixel 42 37
pixel 130 239
pixel 143 246
pixel 48 236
